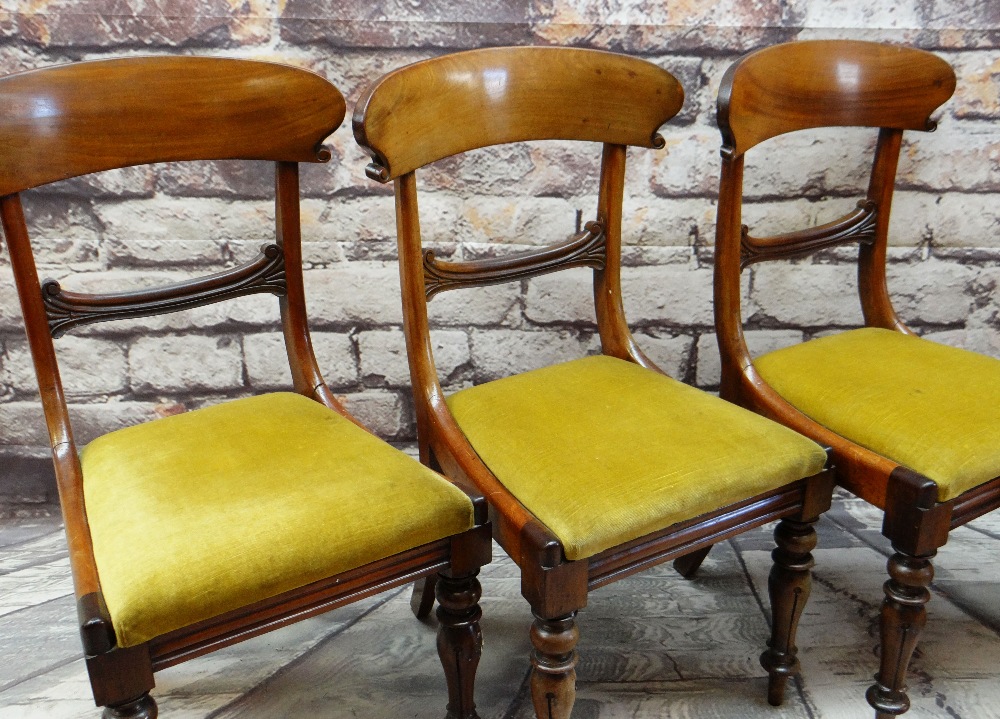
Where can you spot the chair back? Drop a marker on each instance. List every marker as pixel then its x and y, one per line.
pixel 437 108
pixel 71 120
pixel 812 84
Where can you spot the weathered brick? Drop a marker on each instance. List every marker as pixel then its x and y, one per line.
pixel 759 342
pixel 499 353
pixel 383 412
pixel 959 219
pixel 541 220
pixel 671 353
pixel 562 298
pixel 91 366
pixel 983 341
pixel 450 24
pixel 169 219
pixel 267 361
pixel 221 178
pixel 977 94
pixel 105 23
pixel 850 14
pixel 384 362
pixel 121 183
pixel 688 164
pixel 802 294
pixel 675 295
pixel 931 292
pixel 960 156
pixel 359 293
pixel 185 364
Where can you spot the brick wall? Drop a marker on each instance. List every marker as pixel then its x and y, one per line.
pixel 138 226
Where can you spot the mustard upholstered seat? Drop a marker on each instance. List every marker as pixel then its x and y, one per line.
pixel 204 512
pixel 930 407
pixel 599 450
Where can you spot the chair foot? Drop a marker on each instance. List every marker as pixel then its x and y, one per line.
pixel 788 585
pixel 903 616
pixel 142 708
pixel 553 674
pixel 460 640
pixel 687 565
pixel 422 599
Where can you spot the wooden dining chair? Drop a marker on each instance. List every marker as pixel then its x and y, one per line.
pixel 192 532
pixel 914 426
pixel 601 467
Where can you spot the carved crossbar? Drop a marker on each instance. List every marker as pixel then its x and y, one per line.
pixel 584 250
pixel 857 226
pixel 65 310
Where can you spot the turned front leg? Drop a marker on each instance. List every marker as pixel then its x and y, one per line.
pixel 553 674
pixel 903 616
pixel 788 585
pixel 460 640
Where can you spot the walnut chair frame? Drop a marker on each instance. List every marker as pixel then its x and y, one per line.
pixel 468 100
pixel 71 120
pixel 840 84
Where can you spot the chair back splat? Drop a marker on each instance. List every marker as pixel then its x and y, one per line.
pixel 578 460
pixel 196 531
pixel 913 425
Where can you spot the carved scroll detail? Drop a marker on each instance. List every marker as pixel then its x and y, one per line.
pixel 66 310
pixel 584 250
pixel 857 226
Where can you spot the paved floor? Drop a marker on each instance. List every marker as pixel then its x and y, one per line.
pixel 654 645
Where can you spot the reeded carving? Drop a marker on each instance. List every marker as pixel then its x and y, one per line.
pixel 857 226
pixel 584 250
pixel 903 616
pixel 66 310
pixel 788 585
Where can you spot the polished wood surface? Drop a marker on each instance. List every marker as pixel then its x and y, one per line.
pixel 497 95
pixel 818 83
pixel 836 84
pixel 433 109
pixel 75 119
pixel 227 107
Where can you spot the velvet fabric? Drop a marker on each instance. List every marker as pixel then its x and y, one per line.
pixel 204 512
pixel 927 406
pixel 604 451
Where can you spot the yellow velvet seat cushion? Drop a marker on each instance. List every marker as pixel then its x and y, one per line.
pixel 603 451
pixel 204 512
pixel 930 407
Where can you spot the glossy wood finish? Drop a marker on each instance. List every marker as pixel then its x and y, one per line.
pixel 44 115
pixel 820 83
pixel 548 93
pixel 841 83
pixel 429 110
pixel 80 118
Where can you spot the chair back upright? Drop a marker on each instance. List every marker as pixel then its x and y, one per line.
pixel 813 84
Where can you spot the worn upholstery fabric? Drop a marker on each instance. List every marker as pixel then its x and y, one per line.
pixel 208 511
pixel 603 451
pixel 930 407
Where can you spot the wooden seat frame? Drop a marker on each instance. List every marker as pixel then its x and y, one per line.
pixel 448 105
pixel 841 84
pixel 76 119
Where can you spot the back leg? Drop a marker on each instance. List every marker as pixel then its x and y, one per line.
pixel 422 599
pixel 687 565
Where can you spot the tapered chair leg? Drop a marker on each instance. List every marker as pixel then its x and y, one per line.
pixel 687 565
pixel 422 599
pixel 142 708
pixel 460 640
pixel 788 585
pixel 553 674
pixel 903 616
